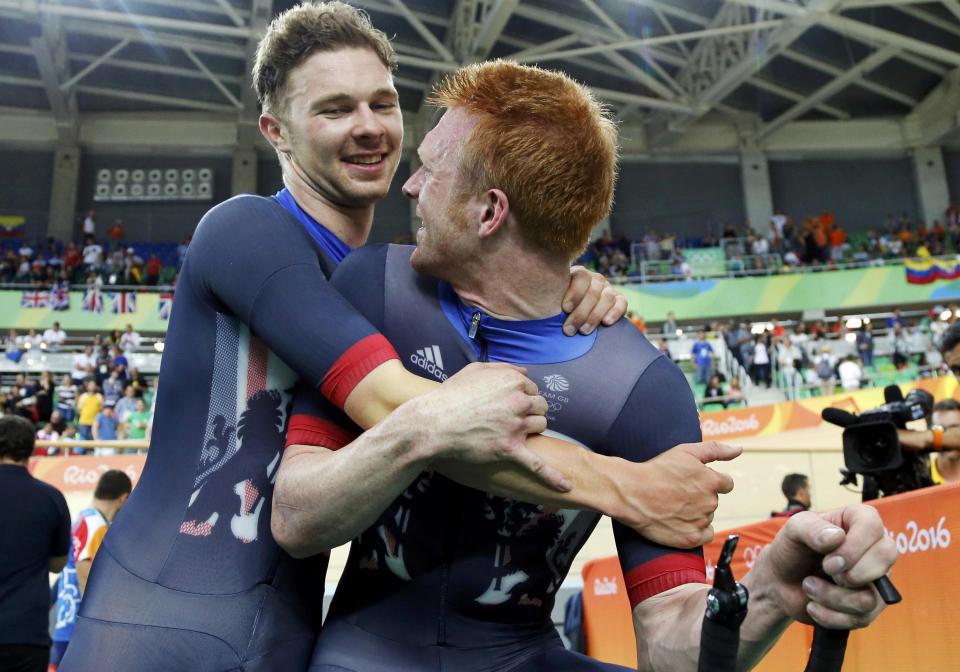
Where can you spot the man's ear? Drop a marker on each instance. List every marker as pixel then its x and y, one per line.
pixel 495 212
pixel 271 127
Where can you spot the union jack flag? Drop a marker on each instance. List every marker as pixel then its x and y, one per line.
pixel 35 299
pixel 93 301
pixel 165 306
pixel 124 302
pixel 60 296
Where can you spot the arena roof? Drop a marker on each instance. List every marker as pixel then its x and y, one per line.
pixel 757 65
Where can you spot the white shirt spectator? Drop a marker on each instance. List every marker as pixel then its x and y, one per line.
pixel 760 246
pixel 760 354
pixel 91 254
pixel 851 375
pixel 34 339
pixel 130 341
pixel 778 222
pixel 54 338
pixel 89 226
pixel 82 365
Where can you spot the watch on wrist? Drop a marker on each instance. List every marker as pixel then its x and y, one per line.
pixel 937 431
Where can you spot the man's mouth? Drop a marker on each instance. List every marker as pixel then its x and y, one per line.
pixel 365 160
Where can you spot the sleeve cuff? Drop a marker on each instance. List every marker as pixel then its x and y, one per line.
pixel 354 365
pixel 663 573
pixel 307 430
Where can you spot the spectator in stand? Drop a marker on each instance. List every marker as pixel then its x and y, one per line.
pixel 132 267
pixel 54 337
pixel 824 371
pixel 865 344
pixel 637 321
pixel 116 231
pixel 777 224
pixel 734 393
pixel 713 393
pixel 92 256
pixel 901 348
pixel 789 360
pixel 44 397
pixel 851 374
pixel 945 465
pixel 12 346
pixel 895 320
pixel 66 397
pixel 154 267
pixel 932 360
pixel 33 340
pixel 838 243
pixel 796 488
pixel 87 532
pixel 759 246
pixel 137 422
pixel 182 250
pixel 127 403
pixel 130 340
pixel 138 381
pixel 90 226
pixel 664 348
pixel 670 326
pixel 760 365
pixel 105 426
pixel 88 406
pixel 113 387
pixel 46 433
pixel 35 540
pixel 702 353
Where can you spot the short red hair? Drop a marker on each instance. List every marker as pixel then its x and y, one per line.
pixel 545 141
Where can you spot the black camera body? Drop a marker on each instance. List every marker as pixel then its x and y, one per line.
pixel 871 446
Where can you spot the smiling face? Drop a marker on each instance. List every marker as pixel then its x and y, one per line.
pixel 443 238
pixel 341 128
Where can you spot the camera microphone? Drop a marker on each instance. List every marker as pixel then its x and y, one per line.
pixel 839 417
pixel 892 393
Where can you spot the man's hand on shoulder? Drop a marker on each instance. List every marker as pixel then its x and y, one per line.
pixel 484 414
pixel 671 499
pixel 590 301
pixel 846 545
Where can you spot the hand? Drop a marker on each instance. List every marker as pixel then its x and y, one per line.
pixel 483 414
pixel 910 440
pixel 590 300
pixel 849 546
pixel 673 500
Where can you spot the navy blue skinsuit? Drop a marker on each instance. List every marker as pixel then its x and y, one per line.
pixel 454 579
pixel 189 577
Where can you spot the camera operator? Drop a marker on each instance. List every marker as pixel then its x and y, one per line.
pixel 939 437
pixel 945 466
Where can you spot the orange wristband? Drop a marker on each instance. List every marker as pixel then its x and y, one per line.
pixel 937 436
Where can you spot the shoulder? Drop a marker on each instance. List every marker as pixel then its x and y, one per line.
pixel 241 217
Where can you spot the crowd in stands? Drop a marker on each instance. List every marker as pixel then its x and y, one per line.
pixel 102 398
pixel 819 241
pixel 109 260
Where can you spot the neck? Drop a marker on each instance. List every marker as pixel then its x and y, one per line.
pixel 948 464
pixel 514 285
pixel 349 224
pixel 7 460
pixel 107 508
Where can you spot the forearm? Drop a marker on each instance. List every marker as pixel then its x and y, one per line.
pixel 382 391
pixel 325 498
pixel 593 477
pixel 668 626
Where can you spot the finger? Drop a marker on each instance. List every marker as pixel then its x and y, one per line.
pixel 578 317
pixel 706 536
pixel 534 424
pixel 579 284
pixel 619 309
pixel 725 485
pixel 604 306
pixel 711 451
pixel 530 388
pixel 876 562
pixel 533 463
pixel 538 406
pixel 836 620
pixel 808 530
pixel 864 529
pixel 845 600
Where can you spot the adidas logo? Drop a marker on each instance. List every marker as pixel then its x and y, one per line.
pixel 430 360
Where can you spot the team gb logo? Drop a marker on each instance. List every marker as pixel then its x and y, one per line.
pixel 556 383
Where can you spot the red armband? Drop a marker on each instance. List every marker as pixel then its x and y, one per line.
pixel 663 573
pixel 307 430
pixel 354 365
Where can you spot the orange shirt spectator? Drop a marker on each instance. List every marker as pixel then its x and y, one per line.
pixel 838 236
pixel 638 322
pixel 116 231
pixel 938 230
pixel 826 220
pixel 922 232
pixel 905 235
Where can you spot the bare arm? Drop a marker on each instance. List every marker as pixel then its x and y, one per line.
pixel 83 573
pixel 784 586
